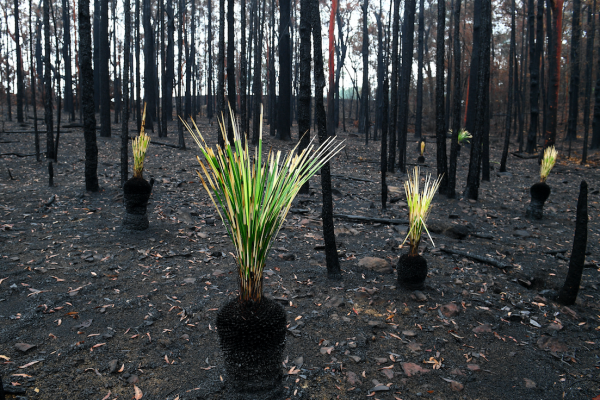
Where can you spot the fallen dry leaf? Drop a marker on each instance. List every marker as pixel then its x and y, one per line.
pixel 4 357
pixel 22 375
pixel 107 396
pixel 29 364
pixel 3 279
pixel 58 279
pixel 138 392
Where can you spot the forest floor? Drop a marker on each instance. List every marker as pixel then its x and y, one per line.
pixel 88 311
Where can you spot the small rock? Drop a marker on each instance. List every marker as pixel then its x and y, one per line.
pixel 456 386
pixel 521 233
pixel 409 333
pixel 449 310
pixel 419 296
pixel 355 358
pixel 287 256
pixel 474 367
pixel 457 371
pixel 414 347
pixel 411 369
pixel 457 232
pixel 133 379
pixel 218 272
pixel 552 344
pixel 352 378
pixel 482 328
pixel 376 264
pixel 379 388
pixel 377 324
pixel 299 362
pixel 335 302
pixel 529 384
pixel 380 360
pixel 24 346
pixel 388 373
pixel 112 366
pixel 189 280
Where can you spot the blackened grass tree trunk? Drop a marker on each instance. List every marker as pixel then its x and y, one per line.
pixel 421 34
pixel 440 118
pixel 394 87
pixel 33 79
pixel 535 50
pixel 331 256
pixel 589 56
pixel 483 80
pixel 221 71
pixel 66 20
pixel 19 66
pixel 575 78
pixel 48 83
pixel 554 55
pixel 125 116
pixel 568 293
pixel 87 96
pixel 408 38
pixel 304 92
pixel 230 67
pixel 285 72
pixel 149 66
pixel 105 130
pixel 456 93
pixel 511 72
pixel 364 123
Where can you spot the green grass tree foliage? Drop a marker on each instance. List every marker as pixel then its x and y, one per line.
pixel 253 197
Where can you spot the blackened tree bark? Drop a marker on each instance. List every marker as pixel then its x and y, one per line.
pixel 554 54
pixel 574 61
pixel 209 86
pixel 535 50
pixel 408 38
pixel 97 13
pixel 331 70
pixel 440 118
pixel 149 66
pixel 596 121
pixel 304 93
pixel 7 73
pixel 231 97
pixel 589 56
pixel 256 84
pixel 125 90
pixel 104 76
pixel 340 52
pixel 182 10
pixel 456 93
pixel 221 110
pixel 243 74
pixel 363 124
pixel 473 70
pixel 189 64
pixel 19 66
pixel 510 89
pixel 272 76
pixel 33 98
pixel 116 76
pixel 394 87
pixel 331 256
pixel 87 97
pixel 379 93
pixel 421 34
pixel 66 20
pixel 167 100
pixel 285 72
pixel 138 111
pixel 483 80
pixel 568 293
pixel 48 82
pixel 384 131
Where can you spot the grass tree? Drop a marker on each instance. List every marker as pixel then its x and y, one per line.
pixel 541 191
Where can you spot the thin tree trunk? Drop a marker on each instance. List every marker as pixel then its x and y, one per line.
pixel 394 87
pixel 125 116
pixel 33 98
pixel 510 88
pixel 105 130
pixel 363 124
pixel 589 56
pixel 182 9
pixel 209 88
pixel 331 255
pixel 440 125
pixel 221 71
pixel 243 74
pixel 87 97
pixel 19 66
pixel 285 72
pixel 419 111
pixel 256 84
pixel 149 67
pixel 231 97
pixel 305 92
pixel 48 82
pixel 138 112
pixel 574 84
pixel 451 193
pixel 535 49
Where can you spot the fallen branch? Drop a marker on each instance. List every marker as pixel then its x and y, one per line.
pixel 525 156
pixel 20 155
pixel 483 259
pixel 351 178
pixel 361 218
pixel 165 144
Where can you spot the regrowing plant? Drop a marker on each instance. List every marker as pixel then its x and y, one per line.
pixel 548 162
pixel 422 147
pixel 252 197
pixel 464 136
pixel 139 146
pixel 419 206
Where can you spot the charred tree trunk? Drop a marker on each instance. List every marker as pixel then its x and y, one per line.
pixel 419 111
pixel 363 124
pixel 68 106
pixel 285 72
pixel 589 56
pixel 221 71
pixel 394 87
pixel 440 118
pixel 230 67
pixel 182 10
pixel 209 88
pixel 474 68
pixel 451 192
pixel 105 130
pixel 19 66
pixel 407 61
pixel 304 93
pixel 574 84
pixel 483 80
pixel 189 64
pixel 33 97
pixel 243 75
pixel 169 77
pixel 331 256
pixel 97 35
pixel 510 89
pixel 87 97
pixel 149 67
pixel 125 116
pixel 48 82
pixel 535 50
pixel 256 84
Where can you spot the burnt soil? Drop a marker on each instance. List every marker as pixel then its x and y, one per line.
pixel 108 312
